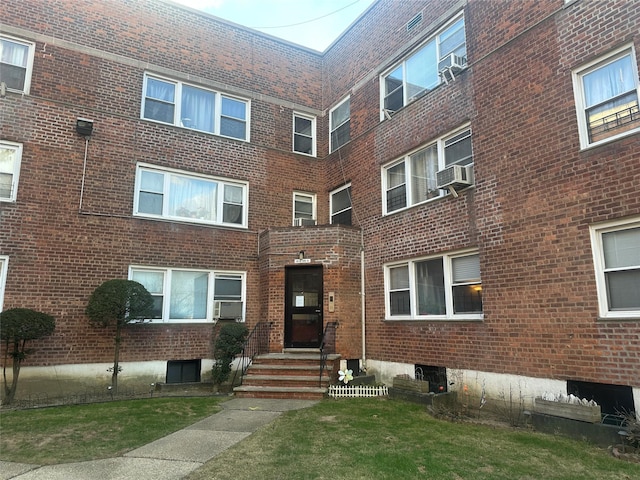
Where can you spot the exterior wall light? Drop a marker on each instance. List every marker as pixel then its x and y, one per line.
pixel 84 127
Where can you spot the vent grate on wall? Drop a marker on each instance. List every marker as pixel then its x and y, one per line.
pixel 414 21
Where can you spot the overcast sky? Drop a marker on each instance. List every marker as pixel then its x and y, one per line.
pixel 312 23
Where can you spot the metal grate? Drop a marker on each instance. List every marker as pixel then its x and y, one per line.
pixel 411 24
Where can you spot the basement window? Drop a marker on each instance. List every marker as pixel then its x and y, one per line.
pixel 183 371
pixel 615 400
pixel 436 376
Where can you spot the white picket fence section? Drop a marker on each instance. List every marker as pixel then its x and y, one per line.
pixel 357 391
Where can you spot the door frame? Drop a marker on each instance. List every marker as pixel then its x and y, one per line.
pixel 291 333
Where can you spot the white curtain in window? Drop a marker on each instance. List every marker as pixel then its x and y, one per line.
pixel 424 165
pixel 192 198
pixel 160 90
pixel 14 53
pixel 197 109
pixel 430 280
pixel 609 81
pixel 7 166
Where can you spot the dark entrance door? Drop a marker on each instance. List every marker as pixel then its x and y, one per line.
pixel 303 307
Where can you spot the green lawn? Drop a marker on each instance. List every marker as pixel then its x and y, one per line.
pixel 390 439
pixel 99 430
pixel 336 439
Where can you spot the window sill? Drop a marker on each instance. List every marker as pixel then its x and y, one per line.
pixel 461 318
pixel 629 317
pixel 187 222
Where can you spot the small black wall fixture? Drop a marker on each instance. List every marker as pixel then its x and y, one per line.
pixel 84 127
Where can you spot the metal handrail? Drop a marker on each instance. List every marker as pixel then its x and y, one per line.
pixel 327 345
pixel 256 343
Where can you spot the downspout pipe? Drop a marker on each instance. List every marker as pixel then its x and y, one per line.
pixel 84 170
pixel 362 302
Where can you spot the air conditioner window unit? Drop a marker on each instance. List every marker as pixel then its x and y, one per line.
pixel 304 222
pixel 227 310
pixel 455 176
pixel 452 62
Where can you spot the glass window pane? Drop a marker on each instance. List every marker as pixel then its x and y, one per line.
pixel 400 303
pixel 160 90
pixel 399 277
pixel 395 175
pixel 424 165
pixel 452 39
pixel 13 53
pixel 393 85
pixel 159 101
pixel 150 203
pixel 466 269
pixel 228 288
pixel 609 81
pixel 340 114
pixel 192 198
pixel 188 298
pixel 303 144
pixel 623 289
pixel 14 77
pixel 233 128
pixel 197 108
pixel 430 286
pixel 303 126
pixel 340 136
pixel 152 281
pixel 342 218
pixel 467 299
pixel 233 194
pixel 457 149
pixel 396 198
pixel 622 248
pixel 6 185
pixel 422 70
pixel 341 200
pixel 234 108
pixel 152 181
pixel 304 209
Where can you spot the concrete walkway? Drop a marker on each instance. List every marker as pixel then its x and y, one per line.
pixel 171 457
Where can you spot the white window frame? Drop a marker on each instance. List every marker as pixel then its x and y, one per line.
pixel 441 145
pixel 402 65
pixel 597 248
pixel 28 68
pixel 311 198
pixel 17 160
pixel 211 276
pixel 413 291
pixel 579 93
pixel 178 121
pixel 311 119
pixel 333 128
pixel 334 192
pixel 220 201
pixel 4 268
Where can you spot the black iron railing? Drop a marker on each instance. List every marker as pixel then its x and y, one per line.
pixel 256 343
pixel 327 345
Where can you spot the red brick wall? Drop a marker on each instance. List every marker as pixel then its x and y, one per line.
pixel 536 193
pixel 90 60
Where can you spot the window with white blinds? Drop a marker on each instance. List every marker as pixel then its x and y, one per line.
pixel 447 287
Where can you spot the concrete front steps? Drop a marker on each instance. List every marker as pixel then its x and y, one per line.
pixel 293 374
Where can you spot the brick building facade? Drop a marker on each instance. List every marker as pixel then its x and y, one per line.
pixel 226 168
